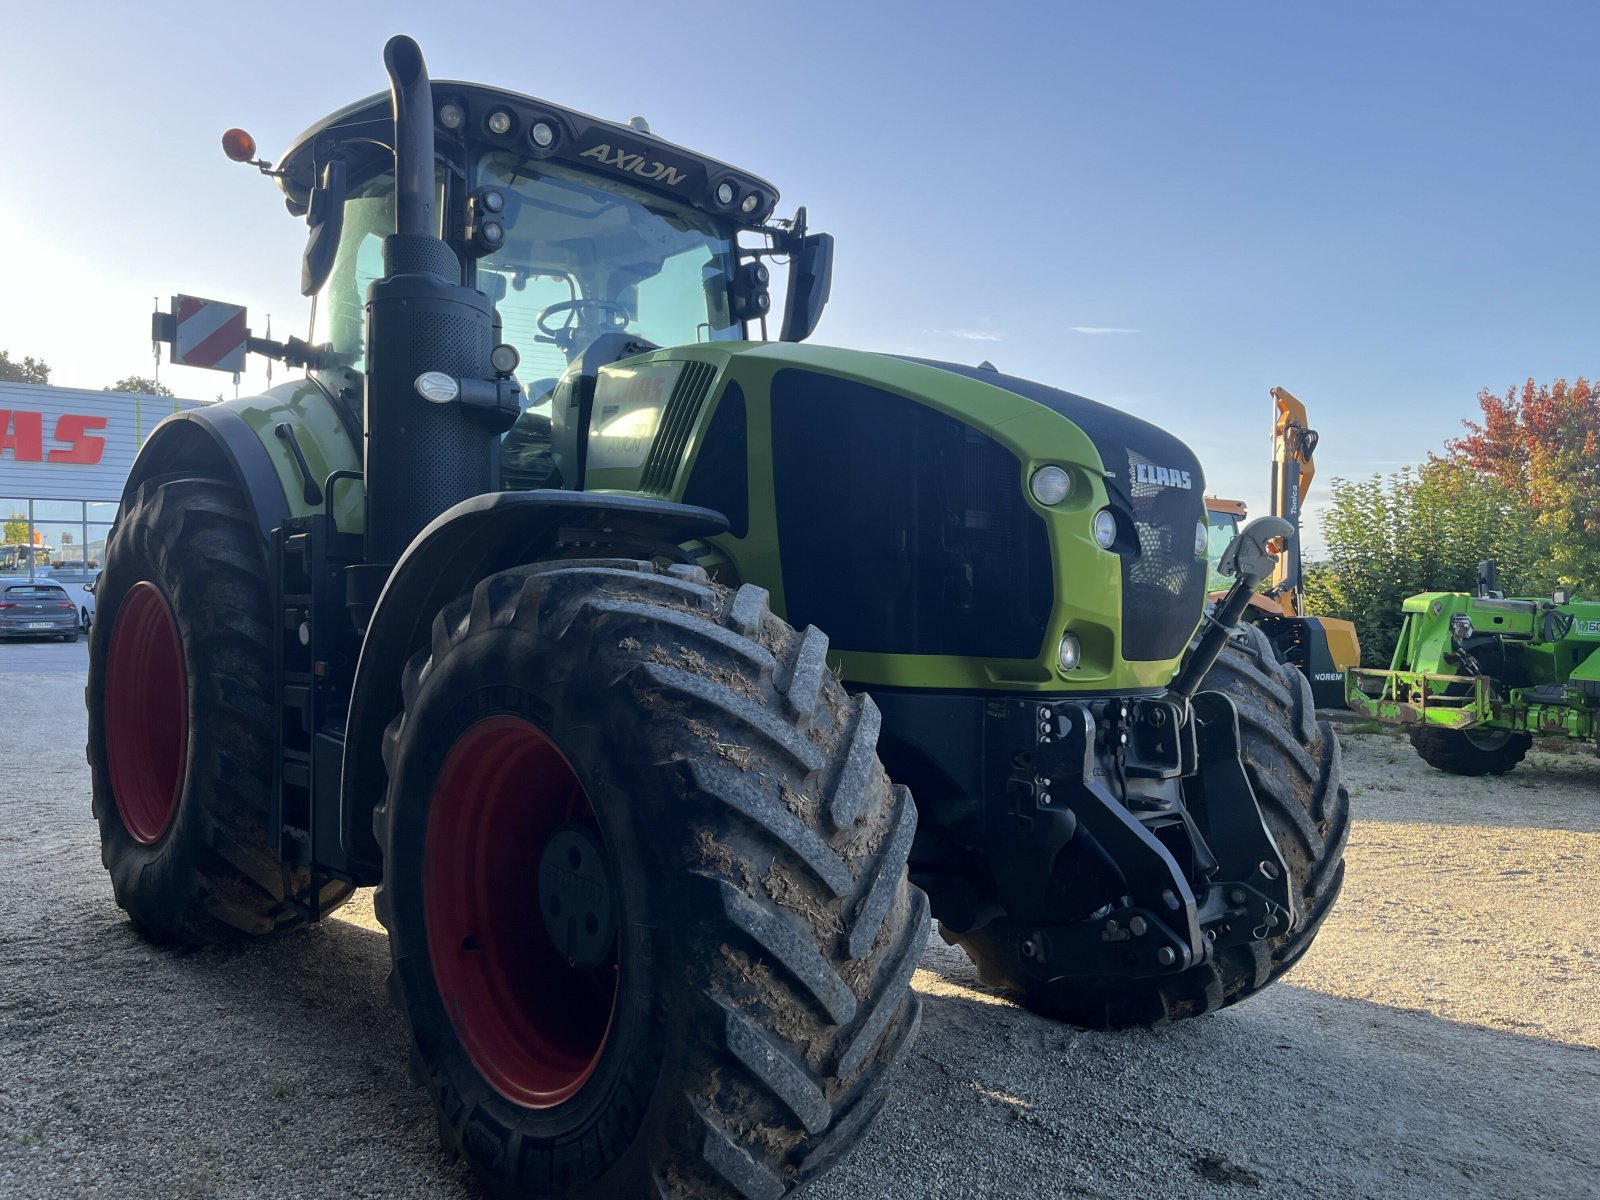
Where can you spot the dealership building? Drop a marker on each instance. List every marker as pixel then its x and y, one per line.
pixel 64 455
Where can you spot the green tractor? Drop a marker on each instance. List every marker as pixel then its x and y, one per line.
pixel 1476 678
pixel 545 663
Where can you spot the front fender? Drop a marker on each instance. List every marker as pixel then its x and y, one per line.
pixel 235 441
pixel 475 539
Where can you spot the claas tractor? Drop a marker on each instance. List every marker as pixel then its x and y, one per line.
pixel 1320 647
pixel 664 695
pixel 1475 678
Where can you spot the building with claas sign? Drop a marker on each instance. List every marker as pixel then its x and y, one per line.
pixel 64 456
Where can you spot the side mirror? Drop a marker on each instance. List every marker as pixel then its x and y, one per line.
pixel 810 278
pixel 89 587
pixel 326 218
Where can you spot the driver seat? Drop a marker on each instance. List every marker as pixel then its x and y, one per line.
pixel 572 403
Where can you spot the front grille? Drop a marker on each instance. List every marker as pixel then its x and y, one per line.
pixel 1164 584
pixel 677 423
pixel 903 530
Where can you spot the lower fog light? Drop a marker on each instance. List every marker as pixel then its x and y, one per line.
pixel 1071 652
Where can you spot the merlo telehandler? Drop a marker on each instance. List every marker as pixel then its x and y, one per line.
pixel 1475 678
pixel 618 685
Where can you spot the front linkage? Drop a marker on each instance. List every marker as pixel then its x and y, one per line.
pixel 1066 750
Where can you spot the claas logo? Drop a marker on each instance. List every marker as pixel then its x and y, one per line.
pixel 72 441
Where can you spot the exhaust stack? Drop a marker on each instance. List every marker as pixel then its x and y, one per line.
pixel 424 452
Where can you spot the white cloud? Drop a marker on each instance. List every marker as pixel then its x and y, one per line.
pixel 966 335
pixel 1101 329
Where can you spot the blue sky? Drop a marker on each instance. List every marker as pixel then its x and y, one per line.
pixel 1380 207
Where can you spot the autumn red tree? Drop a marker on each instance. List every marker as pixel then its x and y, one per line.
pixel 1542 442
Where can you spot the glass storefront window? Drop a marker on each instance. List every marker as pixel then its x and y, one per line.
pixel 58 510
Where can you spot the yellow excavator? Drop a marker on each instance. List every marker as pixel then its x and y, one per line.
pixel 1322 647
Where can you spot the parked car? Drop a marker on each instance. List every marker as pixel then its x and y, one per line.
pixel 79 583
pixel 37 609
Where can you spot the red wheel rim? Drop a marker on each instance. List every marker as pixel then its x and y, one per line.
pixel 146 713
pixel 533 1026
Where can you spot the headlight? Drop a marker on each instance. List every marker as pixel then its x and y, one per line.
pixel 1071 652
pixel 1202 539
pixel 1050 485
pixel 499 122
pixel 1105 529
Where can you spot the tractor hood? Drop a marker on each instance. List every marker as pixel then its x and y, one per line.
pixel 915 479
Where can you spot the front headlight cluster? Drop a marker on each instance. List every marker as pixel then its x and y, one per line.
pixel 1052 485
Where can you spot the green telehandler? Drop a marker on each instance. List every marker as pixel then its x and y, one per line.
pixel 1476 678
pixel 545 663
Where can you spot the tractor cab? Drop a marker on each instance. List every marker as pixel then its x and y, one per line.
pixel 595 241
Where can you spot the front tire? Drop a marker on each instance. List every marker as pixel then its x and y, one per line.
pixel 714 1004
pixel 181 722
pixel 1293 764
pixel 1471 752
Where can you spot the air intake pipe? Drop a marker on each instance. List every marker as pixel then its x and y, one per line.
pixel 429 338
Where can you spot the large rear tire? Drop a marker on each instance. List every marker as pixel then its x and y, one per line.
pixel 1471 752
pixel 645 887
pixel 1293 763
pixel 181 721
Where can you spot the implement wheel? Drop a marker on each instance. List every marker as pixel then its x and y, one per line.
pixel 181 721
pixel 1471 751
pixel 1293 763
pixel 645 887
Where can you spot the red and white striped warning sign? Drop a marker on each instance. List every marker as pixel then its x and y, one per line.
pixel 209 334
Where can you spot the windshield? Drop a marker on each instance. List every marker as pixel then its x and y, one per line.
pixel 584 256
pixel 1220 528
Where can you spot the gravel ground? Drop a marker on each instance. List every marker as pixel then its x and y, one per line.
pixel 1439 1040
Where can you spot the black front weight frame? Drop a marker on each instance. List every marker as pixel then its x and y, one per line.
pixel 1165 923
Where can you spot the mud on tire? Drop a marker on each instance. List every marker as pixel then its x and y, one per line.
pixel 1293 764
pixel 758 985
pixel 191 715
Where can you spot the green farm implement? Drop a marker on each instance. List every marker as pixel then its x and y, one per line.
pixel 1476 678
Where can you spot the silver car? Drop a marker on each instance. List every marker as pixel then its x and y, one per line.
pixel 37 609
pixel 79 583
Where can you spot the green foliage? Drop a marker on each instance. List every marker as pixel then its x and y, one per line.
pixel 1421 531
pixel 15 532
pixel 142 384
pixel 1542 442
pixel 29 370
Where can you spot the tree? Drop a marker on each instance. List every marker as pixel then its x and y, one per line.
pixel 1421 531
pixel 15 530
pixel 1542 444
pixel 141 384
pixel 29 370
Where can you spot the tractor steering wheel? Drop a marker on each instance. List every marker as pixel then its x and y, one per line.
pixel 607 315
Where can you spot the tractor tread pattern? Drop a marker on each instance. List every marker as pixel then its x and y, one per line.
pixel 217 876
pixel 799 864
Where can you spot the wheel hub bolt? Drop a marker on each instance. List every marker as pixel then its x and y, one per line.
pixel 1237 896
pixel 1138 926
pixel 1166 956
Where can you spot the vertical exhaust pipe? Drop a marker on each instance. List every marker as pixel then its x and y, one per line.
pixel 422 456
pixel 411 95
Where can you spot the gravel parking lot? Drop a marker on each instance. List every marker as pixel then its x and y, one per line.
pixel 1441 1039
